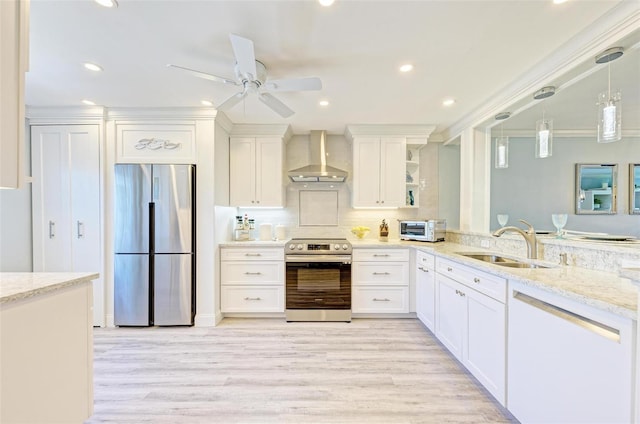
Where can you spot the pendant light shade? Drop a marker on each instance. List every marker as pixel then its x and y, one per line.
pixel 544 138
pixel 609 103
pixel 502 152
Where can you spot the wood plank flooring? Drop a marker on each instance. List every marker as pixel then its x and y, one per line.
pixel 270 371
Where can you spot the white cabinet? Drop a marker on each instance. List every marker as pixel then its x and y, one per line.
pixel 426 289
pixel 379 172
pixel 252 279
pixel 156 143
pixel 471 321
pixel 14 36
pixel 67 229
pixel 380 281
pixel 256 172
pixel 568 362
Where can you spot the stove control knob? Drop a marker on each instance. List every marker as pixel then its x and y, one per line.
pixel 299 247
pixel 345 247
pixel 292 246
pixel 336 247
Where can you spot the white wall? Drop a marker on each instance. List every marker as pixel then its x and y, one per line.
pixel 533 189
pixel 15 230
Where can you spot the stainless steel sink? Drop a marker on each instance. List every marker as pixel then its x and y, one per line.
pixel 501 260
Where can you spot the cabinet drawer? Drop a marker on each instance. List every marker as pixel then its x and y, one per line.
pixel 252 254
pixel 387 273
pixel 484 282
pixel 380 255
pixel 367 299
pixel 425 260
pixel 252 273
pixel 252 299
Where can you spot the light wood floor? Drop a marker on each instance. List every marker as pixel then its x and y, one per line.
pixel 270 371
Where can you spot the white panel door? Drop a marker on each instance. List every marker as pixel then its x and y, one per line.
pixel 269 168
pixel 242 168
pixel 366 172
pixel 425 296
pixel 451 314
pixel 393 171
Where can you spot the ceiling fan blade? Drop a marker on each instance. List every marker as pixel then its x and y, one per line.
pixel 294 84
pixel 275 104
pixel 245 56
pixel 205 75
pixel 232 101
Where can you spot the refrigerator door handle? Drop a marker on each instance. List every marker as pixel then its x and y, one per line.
pixel 156 189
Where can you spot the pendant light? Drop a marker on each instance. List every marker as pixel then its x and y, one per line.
pixel 609 104
pixel 502 144
pixel 544 127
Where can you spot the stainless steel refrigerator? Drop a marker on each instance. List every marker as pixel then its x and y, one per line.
pixel 154 266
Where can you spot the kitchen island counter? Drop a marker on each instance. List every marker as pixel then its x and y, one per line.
pixel 20 285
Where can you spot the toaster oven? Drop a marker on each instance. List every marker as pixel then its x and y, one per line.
pixel 431 230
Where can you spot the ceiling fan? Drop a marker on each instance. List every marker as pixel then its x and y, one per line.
pixel 251 75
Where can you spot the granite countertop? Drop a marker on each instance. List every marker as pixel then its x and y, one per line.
pixel 632 274
pixel 606 291
pixel 255 243
pixel 21 285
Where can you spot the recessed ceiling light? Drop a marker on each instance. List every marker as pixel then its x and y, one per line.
pixel 92 67
pixel 88 102
pixel 326 2
pixel 558 1
pixel 206 103
pixel 406 67
pixel 323 103
pixel 448 102
pixel 107 3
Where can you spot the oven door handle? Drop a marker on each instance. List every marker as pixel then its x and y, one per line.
pixel 318 258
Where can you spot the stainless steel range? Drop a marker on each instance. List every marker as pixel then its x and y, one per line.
pixel 318 280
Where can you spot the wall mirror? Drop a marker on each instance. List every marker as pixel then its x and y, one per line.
pixel 634 188
pixel 596 186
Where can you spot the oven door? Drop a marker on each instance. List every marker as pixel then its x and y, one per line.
pixel 318 285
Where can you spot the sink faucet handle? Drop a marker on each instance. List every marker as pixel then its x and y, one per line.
pixel 529 226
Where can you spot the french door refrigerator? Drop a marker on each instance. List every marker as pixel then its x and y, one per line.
pixel 154 265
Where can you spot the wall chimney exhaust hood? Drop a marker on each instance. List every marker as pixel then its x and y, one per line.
pixel 318 171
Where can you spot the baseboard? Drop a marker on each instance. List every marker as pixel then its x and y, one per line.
pixel 205 320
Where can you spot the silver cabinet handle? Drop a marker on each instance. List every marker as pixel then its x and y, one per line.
pixel 376 255
pixel 449 269
pixel 382 201
pixel 459 293
pixel 253 273
pixel 257 201
pixel 423 269
pixel 381 300
pixel 377 201
pixel 252 298
pixel 253 254
pixel 80 229
pixel 381 273
pixel 253 201
pixel 52 229
pixel 476 280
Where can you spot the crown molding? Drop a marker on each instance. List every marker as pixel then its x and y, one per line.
pixel 262 130
pixel 409 130
pixel 64 114
pixel 164 113
pixel 224 122
pixel 575 133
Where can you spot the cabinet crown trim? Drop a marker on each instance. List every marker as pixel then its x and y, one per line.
pixel 261 130
pixel 418 131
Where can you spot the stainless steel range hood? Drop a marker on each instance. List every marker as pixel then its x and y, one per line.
pixel 318 171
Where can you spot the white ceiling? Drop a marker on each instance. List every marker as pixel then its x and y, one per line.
pixel 468 50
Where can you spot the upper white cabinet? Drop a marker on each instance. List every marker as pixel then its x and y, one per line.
pixel 14 50
pixel 380 163
pixel 256 166
pixel 156 143
pixel 67 230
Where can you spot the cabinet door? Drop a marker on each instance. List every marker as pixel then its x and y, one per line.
pixel 426 296
pixel 485 342
pixel 392 171
pixel 242 172
pixel 366 172
pixel 269 166
pixel 451 314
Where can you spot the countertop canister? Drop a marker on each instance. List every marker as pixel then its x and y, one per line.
pixel 265 232
pixel 281 232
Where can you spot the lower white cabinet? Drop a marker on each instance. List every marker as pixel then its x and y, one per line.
pixel 252 280
pixel 472 326
pixel 380 281
pixel 426 289
pixel 568 362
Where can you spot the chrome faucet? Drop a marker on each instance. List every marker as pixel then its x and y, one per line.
pixel 529 237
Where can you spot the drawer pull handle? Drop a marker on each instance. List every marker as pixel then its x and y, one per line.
pixel 459 293
pixel 449 269
pixel 252 298
pixel 376 255
pixel 381 273
pixel 80 229
pixel 423 270
pixel 253 273
pixel 253 254
pixel 375 299
pixel 52 229
pixel 476 280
